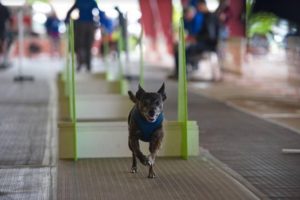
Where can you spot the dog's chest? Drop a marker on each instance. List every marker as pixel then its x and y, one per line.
pixel 146 128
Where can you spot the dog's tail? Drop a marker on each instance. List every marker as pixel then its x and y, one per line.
pixel 132 97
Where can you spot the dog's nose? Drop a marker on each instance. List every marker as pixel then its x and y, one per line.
pixel 151 113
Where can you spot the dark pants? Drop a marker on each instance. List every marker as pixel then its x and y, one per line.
pixel 84 38
pixel 192 51
pixel 2 38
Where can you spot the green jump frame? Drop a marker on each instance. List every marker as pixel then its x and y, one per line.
pixel 72 99
pixel 95 83
pixel 96 99
pixel 187 138
pixel 109 138
pixel 122 81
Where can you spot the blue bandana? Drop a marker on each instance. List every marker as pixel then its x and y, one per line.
pixel 146 128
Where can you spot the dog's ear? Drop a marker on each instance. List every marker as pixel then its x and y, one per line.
pixel 132 97
pixel 162 92
pixel 140 93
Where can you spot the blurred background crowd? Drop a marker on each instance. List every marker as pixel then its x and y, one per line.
pixel 230 30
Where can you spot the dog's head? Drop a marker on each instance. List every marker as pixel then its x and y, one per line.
pixel 149 104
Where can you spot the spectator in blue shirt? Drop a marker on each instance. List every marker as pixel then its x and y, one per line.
pixel 202 28
pixel 85 24
pixel 52 26
pixel 193 21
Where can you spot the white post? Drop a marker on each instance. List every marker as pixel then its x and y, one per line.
pixel 291 151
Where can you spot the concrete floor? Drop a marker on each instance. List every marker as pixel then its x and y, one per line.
pixel 261 99
pixel 264 90
pixel 27 153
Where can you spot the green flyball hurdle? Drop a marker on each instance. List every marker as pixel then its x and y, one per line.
pixel 92 83
pixel 109 139
pixel 123 82
pixel 188 140
pixel 92 107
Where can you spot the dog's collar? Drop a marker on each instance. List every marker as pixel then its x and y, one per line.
pixel 146 128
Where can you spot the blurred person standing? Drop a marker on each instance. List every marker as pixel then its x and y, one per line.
pixel 87 16
pixel 208 38
pixel 52 26
pixel 122 22
pixel 5 18
pixel 203 34
pixel 193 23
pixel 224 14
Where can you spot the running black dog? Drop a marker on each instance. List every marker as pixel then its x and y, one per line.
pixel 145 122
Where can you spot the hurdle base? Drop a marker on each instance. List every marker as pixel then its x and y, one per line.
pixel 66 141
pixel 108 107
pixel 109 139
pixel 94 87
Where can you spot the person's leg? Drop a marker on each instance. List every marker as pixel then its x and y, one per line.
pixel 78 39
pixel 2 49
pixel 194 53
pixel 2 37
pixel 189 52
pixel 1 53
pixel 176 62
pixel 90 32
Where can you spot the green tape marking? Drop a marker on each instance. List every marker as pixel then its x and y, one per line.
pixel 182 91
pixel 123 83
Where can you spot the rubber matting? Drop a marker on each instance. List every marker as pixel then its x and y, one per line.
pixel 110 179
pixel 250 146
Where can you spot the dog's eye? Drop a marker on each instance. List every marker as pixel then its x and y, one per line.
pixel 157 103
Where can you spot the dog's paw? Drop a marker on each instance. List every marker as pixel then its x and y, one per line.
pixel 152 175
pixel 145 161
pixel 150 160
pixel 133 170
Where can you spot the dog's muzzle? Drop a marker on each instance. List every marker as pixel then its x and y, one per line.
pixel 151 116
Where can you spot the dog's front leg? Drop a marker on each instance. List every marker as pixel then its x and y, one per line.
pixel 153 148
pixel 134 146
pixel 131 144
pixel 134 164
